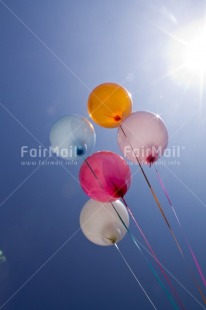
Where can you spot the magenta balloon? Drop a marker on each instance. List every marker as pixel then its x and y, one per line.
pixel 146 133
pixel 105 176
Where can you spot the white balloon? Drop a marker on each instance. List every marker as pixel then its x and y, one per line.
pixel 100 223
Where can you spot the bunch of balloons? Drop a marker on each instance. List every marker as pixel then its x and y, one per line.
pixel 106 177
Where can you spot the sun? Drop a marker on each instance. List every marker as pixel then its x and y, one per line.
pixel 194 55
pixel 187 56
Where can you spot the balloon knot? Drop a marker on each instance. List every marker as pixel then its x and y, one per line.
pixel 117 118
pixel 81 150
pixel 112 239
pixel 151 159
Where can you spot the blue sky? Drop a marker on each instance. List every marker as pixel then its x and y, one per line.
pixel 53 53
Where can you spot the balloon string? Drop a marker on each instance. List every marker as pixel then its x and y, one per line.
pixel 172 275
pixel 132 272
pixel 134 240
pixel 162 212
pixel 154 195
pixel 150 265
pixel 94 174
pixel 186 239
pixel 154 255
pixel 189 246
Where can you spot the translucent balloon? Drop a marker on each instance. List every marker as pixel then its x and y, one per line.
pixel 72 137
pixel 146 133
pixel 109 104
pixel 100 223
pixel 105 176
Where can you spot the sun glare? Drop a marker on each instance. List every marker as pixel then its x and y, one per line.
pixel 187 56
pixel 194 55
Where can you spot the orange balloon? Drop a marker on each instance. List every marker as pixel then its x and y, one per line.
pixel 109 104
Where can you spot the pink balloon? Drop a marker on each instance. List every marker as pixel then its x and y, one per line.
pixel 105 176
pixel 143 134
